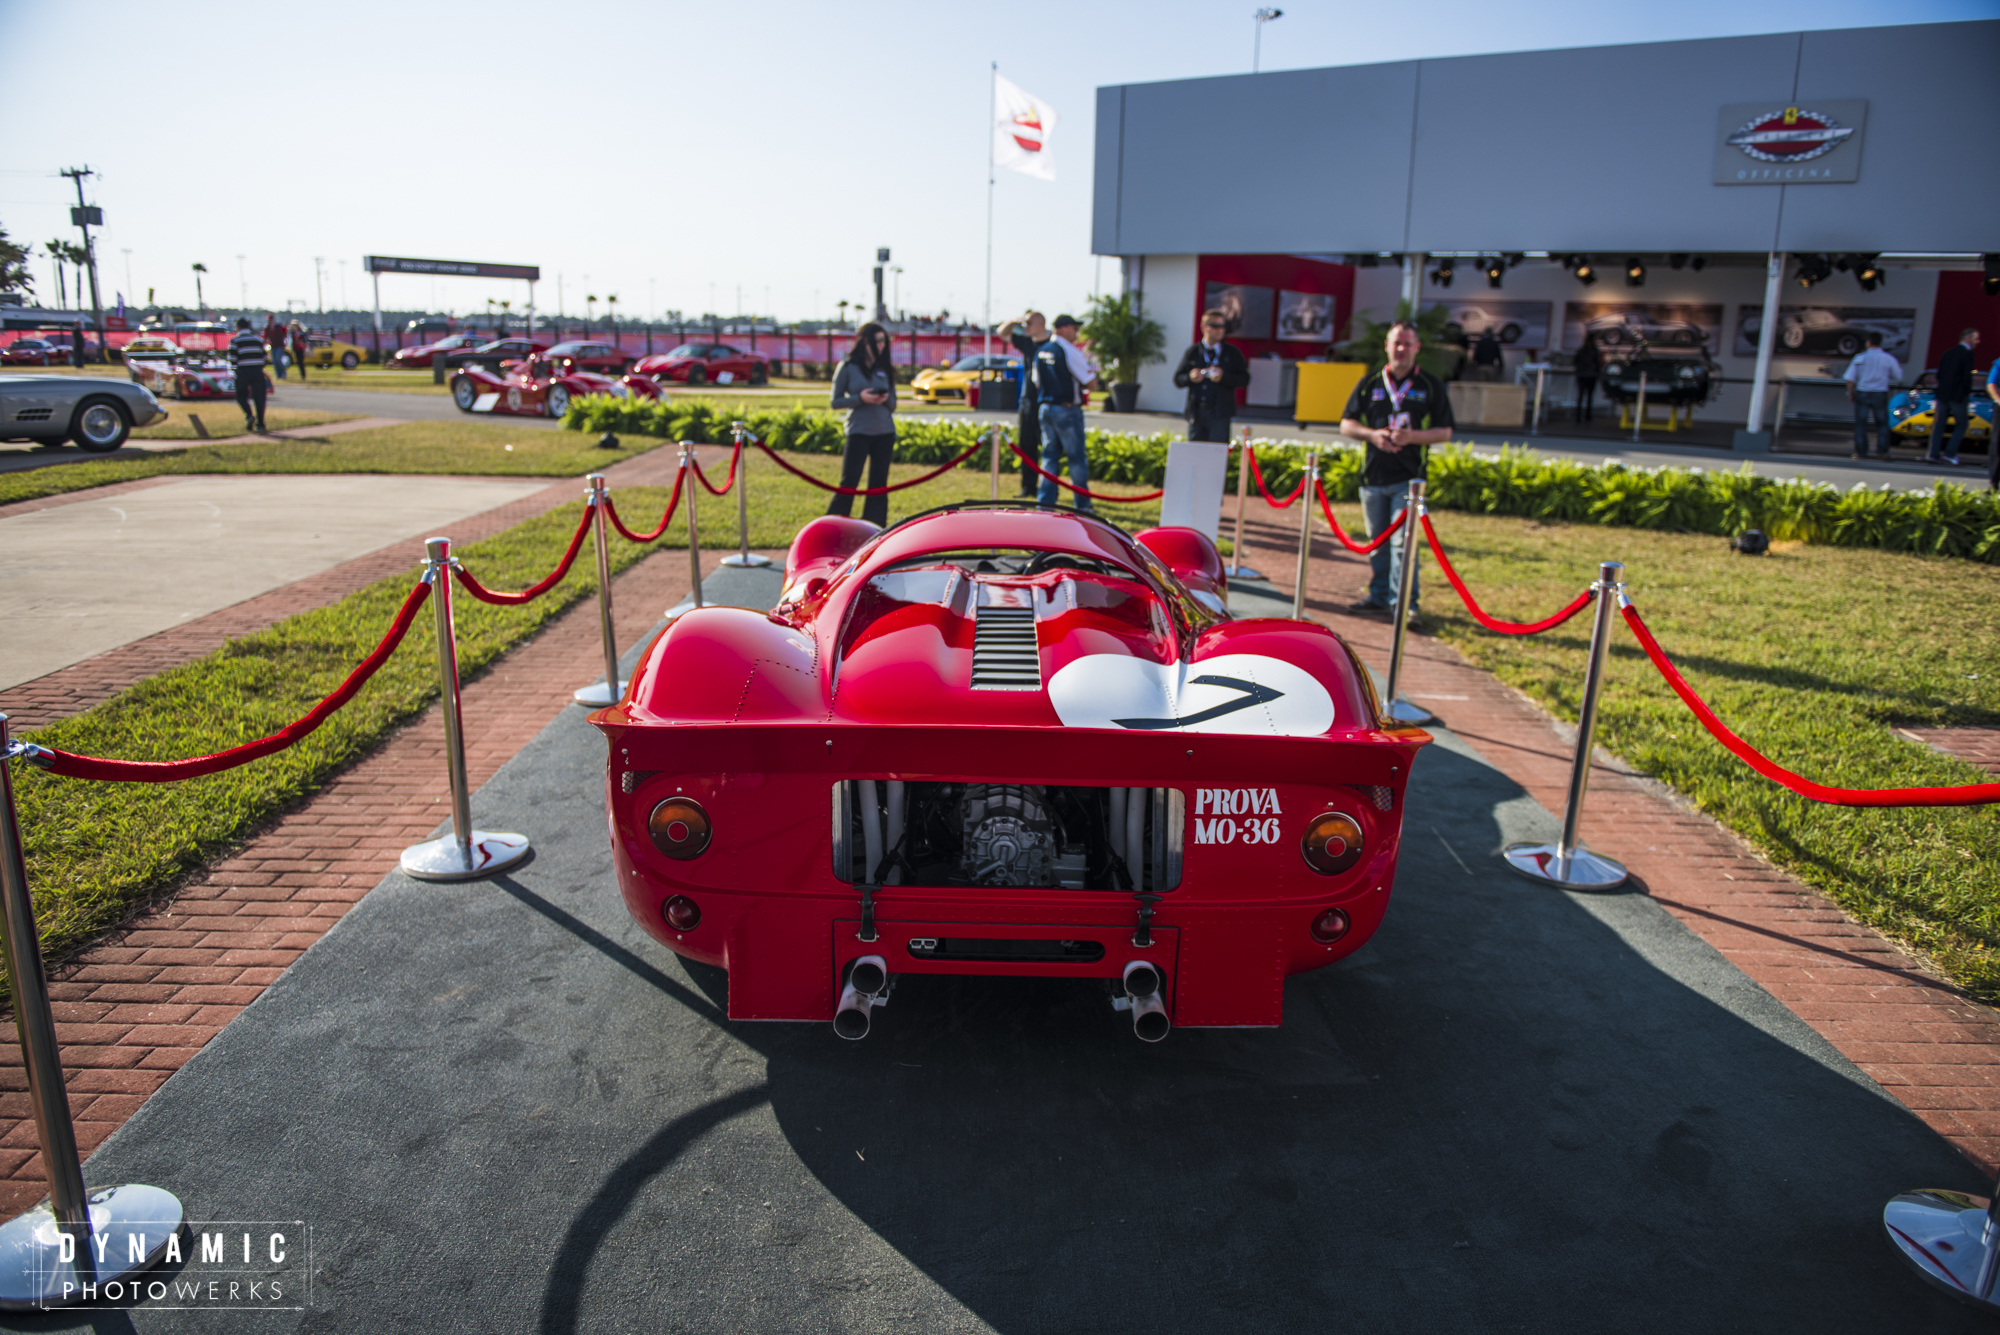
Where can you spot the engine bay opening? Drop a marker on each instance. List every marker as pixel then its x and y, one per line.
pixel 1030 836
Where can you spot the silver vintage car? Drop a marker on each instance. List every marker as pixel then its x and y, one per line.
pixel 95 413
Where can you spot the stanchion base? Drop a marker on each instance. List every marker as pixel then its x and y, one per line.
pixel 443 860
pixel 1242 572
pixel 597 696
pixel 1402 711
pixel 32 1275
pixel 1586 870
pixel 1941 1234
pixel 739 559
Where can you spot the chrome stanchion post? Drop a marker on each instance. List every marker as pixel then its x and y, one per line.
pixel 1535 422
pixel 466 853
pixel 608 691
pixel 1305 534
pixel 1567 862
pixel 50 1255
pixel 1402 711
pixel 1239 570
pixel 1639 408
pixel 1951 1238
pixel 742 557
pixel 689 485
pixel 994 435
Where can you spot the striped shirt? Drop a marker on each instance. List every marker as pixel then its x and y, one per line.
pixel 246 349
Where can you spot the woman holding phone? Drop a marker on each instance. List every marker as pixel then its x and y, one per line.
pixel 865 385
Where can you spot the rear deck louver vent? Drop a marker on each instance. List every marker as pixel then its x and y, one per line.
pixel 1003 650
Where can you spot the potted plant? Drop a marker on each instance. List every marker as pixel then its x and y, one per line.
pixel 1123 338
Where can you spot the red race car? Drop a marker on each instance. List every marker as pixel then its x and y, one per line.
pixel 409 359
pixel 580 355
pixel 1005 740
pixel 35 352
pixel 186 375
pixel 536 388
pixel 705 363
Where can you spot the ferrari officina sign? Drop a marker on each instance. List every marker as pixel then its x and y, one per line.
pixel 1796 143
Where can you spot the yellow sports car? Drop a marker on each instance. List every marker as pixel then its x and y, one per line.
pixel 1911 410
pixel 151 345
pixel 323 351
pixel 942 384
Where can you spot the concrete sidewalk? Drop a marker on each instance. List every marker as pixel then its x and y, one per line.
pixel 500 1107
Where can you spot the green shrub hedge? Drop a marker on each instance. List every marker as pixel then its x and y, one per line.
pixel 1943 521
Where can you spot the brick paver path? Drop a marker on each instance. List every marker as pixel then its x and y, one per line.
pixel 309 432
pixel 132 1010
pixel 1981 746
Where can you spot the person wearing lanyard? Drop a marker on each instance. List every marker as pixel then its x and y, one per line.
pixel 1395 413
pixel 1211 372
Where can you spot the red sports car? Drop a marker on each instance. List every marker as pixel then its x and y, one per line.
pixel 411 358
pixel 35 352
pixel 705 363
pixel 537 388
pixel 1005 740
pixel 602 358
pixel 186 375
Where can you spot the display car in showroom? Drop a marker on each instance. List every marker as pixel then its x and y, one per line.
pixel 35 352
pixel 184 375
pixel 94 413
pixel 706 363
pixel 496 354
pixel 997 739
pixel 1682 380
pixel 1912 410
pixel 537 387
pixel 410 359
pixel 950 384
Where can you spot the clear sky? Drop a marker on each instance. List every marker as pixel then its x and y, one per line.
pixel 673 153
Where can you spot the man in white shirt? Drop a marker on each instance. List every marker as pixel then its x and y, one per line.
pixel 1061 372
pixel 1869 377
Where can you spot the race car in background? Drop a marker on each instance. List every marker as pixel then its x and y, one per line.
pixel 493 356
pixel 707 363
pixel 324 351
pixel 35 352
pixel 184 375
pixel 949 384
pixel 1003 740
pixel 410 359
pixel 582 355
pixel 537 388
pixel 1912 410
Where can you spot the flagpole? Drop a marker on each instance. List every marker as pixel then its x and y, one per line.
pixel 992 119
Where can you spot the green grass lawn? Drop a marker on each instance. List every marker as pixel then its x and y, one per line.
pixel 1814 655
pixel 223 418
pixel 370 378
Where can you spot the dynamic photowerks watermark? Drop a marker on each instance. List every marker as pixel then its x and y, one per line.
pixel 224 1265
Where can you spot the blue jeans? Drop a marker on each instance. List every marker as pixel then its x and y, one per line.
pixel 1380 506
pixel 1062 433
pixel 1959 410
pixel 1871 405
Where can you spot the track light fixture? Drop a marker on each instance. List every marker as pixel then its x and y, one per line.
pixel 1568 262
pixel 1868 273
pixel 1698 263
pixel 1585 274
pixel 1635 272
pixel 1496 267
pixel 1814 269
pixel 1992 275
pixel 1441 275
pixel 1677 261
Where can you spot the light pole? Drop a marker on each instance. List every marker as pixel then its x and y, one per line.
pixel 1263 16
pixel 343 283
pixel 200 304
pixel 896 289
pixel 242 285
pixel 319 281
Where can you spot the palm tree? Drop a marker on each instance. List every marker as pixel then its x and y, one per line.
pixel 611 314
pixel 843 312
pixel 200 304
pixel 589 312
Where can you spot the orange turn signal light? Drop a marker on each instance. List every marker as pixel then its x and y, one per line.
pixel 679 828
pixel 1332 844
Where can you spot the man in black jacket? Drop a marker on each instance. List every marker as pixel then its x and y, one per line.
pixel 1211 372
pixel 1954 397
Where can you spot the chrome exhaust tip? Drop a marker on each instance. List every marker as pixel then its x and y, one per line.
pixel 1149 1018
pixel 869 975
pixel 850 1018
pixel 1142 979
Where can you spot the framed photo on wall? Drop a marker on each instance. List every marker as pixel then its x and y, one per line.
pixel 1305 317
pixel 1517 324
pixel 1247 308
pixel 1822 331
pixel 1664 326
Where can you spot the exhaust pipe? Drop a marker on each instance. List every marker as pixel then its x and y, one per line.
pixel 1142 979
pixel 1149 1019
pixel 866 979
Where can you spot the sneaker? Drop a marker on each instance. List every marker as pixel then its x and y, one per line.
pixel 249 427
pixel 1366 607
pixel 1415 624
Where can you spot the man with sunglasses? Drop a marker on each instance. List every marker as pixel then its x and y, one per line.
pixel 1211 372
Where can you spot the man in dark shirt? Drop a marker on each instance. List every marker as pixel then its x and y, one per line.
pixel 1954 397
pixel 76 354
pixel 1028 338
pixel 1395 413
pixel 1211 372
pixel 247 355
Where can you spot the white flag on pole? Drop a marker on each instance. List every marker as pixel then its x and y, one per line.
pixel 1023 126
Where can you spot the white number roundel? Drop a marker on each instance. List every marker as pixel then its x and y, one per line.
pixel 1231 693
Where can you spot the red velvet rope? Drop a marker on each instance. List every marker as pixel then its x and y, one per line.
pixel 1089 495
pixel 72 766
pixel 528 595
pixel 735 457
pixel 939 471
pixel 1358 548
pixel 1479 615
pixel 1269 499
pixel 673 501
pixel 1969 795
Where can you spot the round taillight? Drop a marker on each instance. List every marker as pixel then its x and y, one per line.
pixel 1332 844
pixel 1330 926
pixel 679 828
pixel 682 914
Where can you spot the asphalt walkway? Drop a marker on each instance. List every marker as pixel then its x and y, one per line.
pixel 498 1106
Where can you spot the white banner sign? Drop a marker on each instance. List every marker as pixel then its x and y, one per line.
pixel 1023 126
